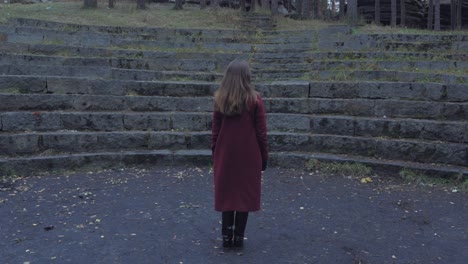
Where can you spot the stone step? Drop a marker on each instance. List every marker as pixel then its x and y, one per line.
pixel 51 36
pixel 106 52
pixel 129 31
pixel 298 160
pixel 371 108
pixel 307 57
pixel 394 149
pixel 359 75
pixel 24 84
pixel 100 72
pixel 352 107
pixel 191 35
pixel 426 46
pixel 27 84
pixel 11 64
pixel 283 57
pixel 429 130
pixel 460 67
pixel 45 164
pixel 13 122
pixel 75 142
pixel 223 58
pixel 46 143
pixel 391 90
pixel 144 75
pixel 46 70
pixel 208 65
pixel 346 41
pixel 398 128
pixel 322 124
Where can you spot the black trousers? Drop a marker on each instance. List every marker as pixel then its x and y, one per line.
pixel 234 223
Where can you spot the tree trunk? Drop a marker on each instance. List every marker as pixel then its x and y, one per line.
pixel 178 5
pixel 430 15
pixel 300 7
pixel 111 3
pixel 352 12
pixel 214 4
pixel 403 13
pixel 437 15
pixel 141 4
pixel 453 14
pixel 342 7
pixel 202 4
pixel 318 9
pixel 377 12
pixel 306 4
pixel 90 4
pixel 265 4
pixel 253 4
pixel 393 12
pixel 333 8
pixel 459 14
pixel 274 7
pixel 242 6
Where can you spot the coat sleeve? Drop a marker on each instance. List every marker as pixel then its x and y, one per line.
pixel 215 127
pixel 261 129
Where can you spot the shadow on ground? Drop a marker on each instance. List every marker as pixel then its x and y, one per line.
pixel 165 215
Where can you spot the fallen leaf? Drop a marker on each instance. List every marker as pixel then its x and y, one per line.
pixel 366 180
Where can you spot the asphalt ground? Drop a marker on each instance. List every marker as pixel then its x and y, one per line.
pixel 165 215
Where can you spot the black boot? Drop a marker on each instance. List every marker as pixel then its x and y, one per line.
pixel 227 228
pixel 239 229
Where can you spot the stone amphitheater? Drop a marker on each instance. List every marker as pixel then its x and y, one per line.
pixel 75 96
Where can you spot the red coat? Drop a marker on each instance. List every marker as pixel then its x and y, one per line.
pixel 239 144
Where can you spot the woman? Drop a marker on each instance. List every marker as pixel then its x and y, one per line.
pixel 239 148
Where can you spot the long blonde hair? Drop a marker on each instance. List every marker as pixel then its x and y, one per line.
pixel 235 91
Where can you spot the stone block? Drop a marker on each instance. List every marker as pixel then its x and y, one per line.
pixel 123 140
pixel 164 140
pixel 106 87
pixel 67 85
pixel 288 142
pixel 332 125
pixel 286 105
pixel 22 84
pixel 191 121
pixel 343 145
pixel 70 142
pixel 30 121
pixel 411 109
pixel 93 121
pixel 287 89
pixel 457 93
pixel 454 111
pixel 288 122
pixel 148 121
pixel 19 144
pixel 200 140
pixel 441 131
pixel 98 103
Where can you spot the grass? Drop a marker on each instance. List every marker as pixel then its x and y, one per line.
pixel 156 15
pixel 418 178
pixel 125 14
pixel 374 29
pixel 349 169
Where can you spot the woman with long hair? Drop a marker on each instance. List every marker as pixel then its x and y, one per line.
pixel 239 148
